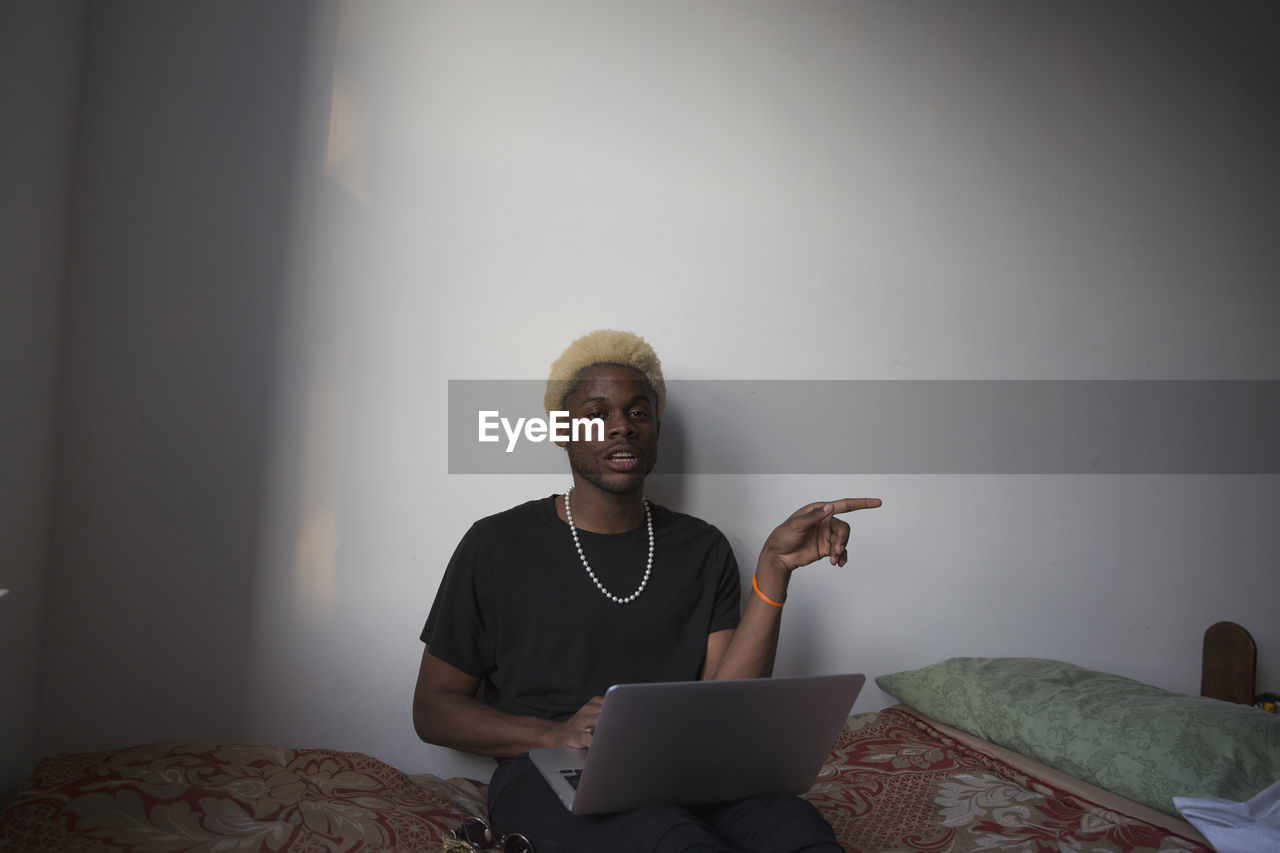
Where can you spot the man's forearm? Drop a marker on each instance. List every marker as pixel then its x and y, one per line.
pixel 464 722
pixel 754 645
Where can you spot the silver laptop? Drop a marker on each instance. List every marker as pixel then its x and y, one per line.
pixel 695 742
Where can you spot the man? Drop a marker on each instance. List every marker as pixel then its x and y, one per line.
pixel 546 605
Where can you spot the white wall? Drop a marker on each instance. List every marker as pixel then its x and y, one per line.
pixel 181 225
pixel 298 222
pixel 40 47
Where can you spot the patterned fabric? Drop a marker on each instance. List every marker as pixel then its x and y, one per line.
pixel 892 783
pixel 212 798
pixel 895 783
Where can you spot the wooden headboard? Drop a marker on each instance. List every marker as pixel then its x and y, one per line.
pixel 1229 664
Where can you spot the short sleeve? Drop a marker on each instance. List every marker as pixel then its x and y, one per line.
pixel 456 631
pixel 727 610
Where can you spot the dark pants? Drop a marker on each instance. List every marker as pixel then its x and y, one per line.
pixel 521 801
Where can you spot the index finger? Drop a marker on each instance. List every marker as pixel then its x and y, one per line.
pixel 818 510
pixel 852 504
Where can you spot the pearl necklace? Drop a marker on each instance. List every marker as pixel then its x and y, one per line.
pixel 648 520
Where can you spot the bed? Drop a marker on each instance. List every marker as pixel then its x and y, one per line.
pixel 982 754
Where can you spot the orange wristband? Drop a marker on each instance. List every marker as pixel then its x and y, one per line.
pixel 766 599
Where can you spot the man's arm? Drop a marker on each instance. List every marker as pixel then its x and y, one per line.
pixel 447 712
pixel 811 533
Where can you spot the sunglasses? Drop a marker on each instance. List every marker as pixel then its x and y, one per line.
pixel 474 834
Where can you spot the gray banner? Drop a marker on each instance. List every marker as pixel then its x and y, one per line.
pixel 904 427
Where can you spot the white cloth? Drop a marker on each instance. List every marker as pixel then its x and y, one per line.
pixel 1232 827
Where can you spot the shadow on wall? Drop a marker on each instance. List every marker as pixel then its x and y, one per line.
pixel 183 216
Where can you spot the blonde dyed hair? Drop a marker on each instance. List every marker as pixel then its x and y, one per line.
pixel 604 346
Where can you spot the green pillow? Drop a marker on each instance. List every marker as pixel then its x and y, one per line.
pixel 1136 740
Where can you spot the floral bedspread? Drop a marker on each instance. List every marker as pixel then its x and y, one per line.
pixel 892 783
pixel 229 798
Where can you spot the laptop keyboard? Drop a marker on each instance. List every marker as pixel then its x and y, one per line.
pixel 573 777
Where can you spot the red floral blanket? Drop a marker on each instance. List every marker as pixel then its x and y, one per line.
pixel 893 783
pixel 210 798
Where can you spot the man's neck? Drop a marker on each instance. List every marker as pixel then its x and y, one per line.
pixel 598 511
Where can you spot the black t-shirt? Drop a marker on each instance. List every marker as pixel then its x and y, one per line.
pixel 517 609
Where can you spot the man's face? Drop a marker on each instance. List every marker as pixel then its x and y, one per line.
pixel 622 399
